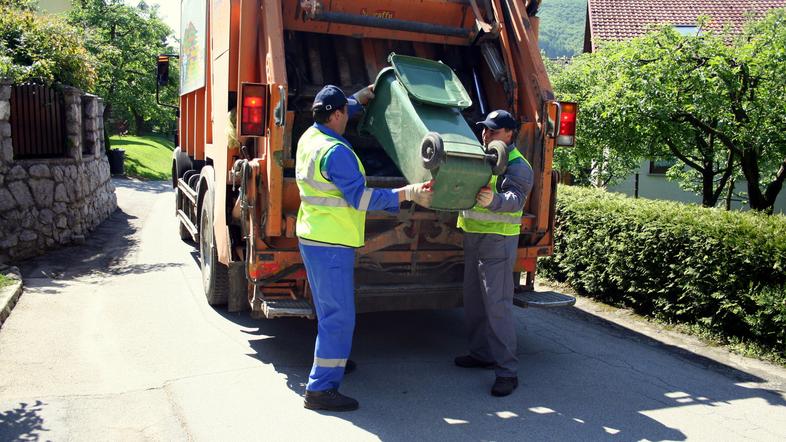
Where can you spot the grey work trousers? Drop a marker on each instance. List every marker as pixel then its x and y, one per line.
pixel 488 299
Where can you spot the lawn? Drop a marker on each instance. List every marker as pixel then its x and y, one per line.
pixel 148 157
pixel 4 280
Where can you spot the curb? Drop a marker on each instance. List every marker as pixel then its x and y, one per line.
pixel 9 295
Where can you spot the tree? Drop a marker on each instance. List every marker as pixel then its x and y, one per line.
pixel 607 141
pixel 41 49
pixel 712 101
pixel 126 41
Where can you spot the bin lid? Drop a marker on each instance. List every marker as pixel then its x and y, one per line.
pixel 430 81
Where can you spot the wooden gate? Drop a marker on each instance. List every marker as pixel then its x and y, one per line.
pixel 37 122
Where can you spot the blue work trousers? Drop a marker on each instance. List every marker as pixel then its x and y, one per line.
pixel 331 277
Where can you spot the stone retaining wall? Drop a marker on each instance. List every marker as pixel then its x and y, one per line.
pixel 50 202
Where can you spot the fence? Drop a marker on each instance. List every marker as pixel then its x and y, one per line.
pixel 38 122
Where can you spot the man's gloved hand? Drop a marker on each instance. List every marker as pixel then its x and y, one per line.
pixel 365 95
pixel 420 193
pixel 484 197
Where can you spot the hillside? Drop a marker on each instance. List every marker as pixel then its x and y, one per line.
pixel 562 27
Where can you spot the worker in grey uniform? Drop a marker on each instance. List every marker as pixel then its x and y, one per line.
pixel 491 235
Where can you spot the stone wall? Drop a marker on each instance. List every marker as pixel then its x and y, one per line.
pixel 45 203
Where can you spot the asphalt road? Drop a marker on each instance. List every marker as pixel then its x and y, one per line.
pixel 113 340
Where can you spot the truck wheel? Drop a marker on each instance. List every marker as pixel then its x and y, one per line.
pixel 181 163
pixel 432 150
pixel 500 153
pixel 215 276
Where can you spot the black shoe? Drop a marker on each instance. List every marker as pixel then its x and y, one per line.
pixel 468 361
pixel 504 386
pixel 329 400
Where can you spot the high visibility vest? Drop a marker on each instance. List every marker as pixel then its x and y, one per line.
pixel 481 220
pixel 324 214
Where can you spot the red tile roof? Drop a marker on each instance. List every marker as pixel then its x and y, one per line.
pixel 623 19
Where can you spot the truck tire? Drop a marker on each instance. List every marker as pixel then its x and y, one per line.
pixel 215 275
pixel 181 163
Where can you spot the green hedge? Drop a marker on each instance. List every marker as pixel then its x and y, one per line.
pixel 723 271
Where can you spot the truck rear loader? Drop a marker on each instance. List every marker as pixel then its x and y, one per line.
pixel 249 71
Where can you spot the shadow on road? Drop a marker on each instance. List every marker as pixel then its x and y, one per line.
pixel 22 423
pixel 143 186
pixel 407 385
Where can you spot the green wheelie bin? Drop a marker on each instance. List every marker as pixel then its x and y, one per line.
pixel 416 117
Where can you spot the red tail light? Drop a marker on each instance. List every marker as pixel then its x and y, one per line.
pixel 566 136
pixel 253 111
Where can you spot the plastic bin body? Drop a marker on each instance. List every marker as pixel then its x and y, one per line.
pixel 400 122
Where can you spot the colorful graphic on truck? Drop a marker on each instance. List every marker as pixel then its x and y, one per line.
pixel 192 45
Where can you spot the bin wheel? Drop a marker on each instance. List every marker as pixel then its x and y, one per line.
pixel 498 156
pixel 432 150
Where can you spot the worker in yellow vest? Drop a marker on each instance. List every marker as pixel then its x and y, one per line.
pixel 491 235
pixel 330 225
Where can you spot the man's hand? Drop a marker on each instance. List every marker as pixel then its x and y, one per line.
pixel 365 95
pixel 484 197
pixel 420 193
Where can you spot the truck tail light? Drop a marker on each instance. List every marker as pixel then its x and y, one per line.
pixel 566 135
pixel 253 118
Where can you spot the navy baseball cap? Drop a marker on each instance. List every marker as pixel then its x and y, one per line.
pixel 331 98
pixel 500 119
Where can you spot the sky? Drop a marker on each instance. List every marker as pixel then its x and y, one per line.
pixel 168 9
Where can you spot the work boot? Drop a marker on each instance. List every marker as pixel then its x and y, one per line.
pixel 329 400
pixel 504 386
pixel 468 361
pixel 350 367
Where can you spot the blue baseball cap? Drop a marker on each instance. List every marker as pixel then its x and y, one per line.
pixel 500 119
pixel 331 98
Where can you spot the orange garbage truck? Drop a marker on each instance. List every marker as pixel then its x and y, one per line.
pixel 249 71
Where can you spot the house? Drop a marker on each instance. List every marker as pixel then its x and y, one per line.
pixel 615 20
pixel 625 19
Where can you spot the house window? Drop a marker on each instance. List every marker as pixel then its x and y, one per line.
pixel 688 30
pixel 659 167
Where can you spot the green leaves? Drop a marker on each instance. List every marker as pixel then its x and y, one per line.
pixel 42 49
pixel 712 101
pixel 126 40
pixel 679 263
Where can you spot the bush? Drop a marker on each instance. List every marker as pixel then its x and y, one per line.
pixel 723 271
pixel 41 49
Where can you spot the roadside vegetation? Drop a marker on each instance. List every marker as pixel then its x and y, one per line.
pixel 5 281
pixel 147 157
pixel 710 102
pixel 714 273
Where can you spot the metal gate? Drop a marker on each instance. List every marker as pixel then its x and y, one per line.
pixel 37 122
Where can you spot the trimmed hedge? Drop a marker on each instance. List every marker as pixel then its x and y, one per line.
pixel 723 271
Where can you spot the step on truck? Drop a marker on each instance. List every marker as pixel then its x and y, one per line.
pixel 249 71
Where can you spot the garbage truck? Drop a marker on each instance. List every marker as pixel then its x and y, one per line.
pixel 249 71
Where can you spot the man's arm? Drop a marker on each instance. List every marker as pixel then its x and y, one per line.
pixel 341 168
pixel 514 188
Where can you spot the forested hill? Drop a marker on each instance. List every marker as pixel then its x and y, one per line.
pixel 562 27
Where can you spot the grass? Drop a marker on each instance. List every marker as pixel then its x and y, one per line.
pixel 147 157
pixel 4 280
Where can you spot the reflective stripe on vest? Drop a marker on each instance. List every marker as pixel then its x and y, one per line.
pixel 324 215
pixel 481 220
